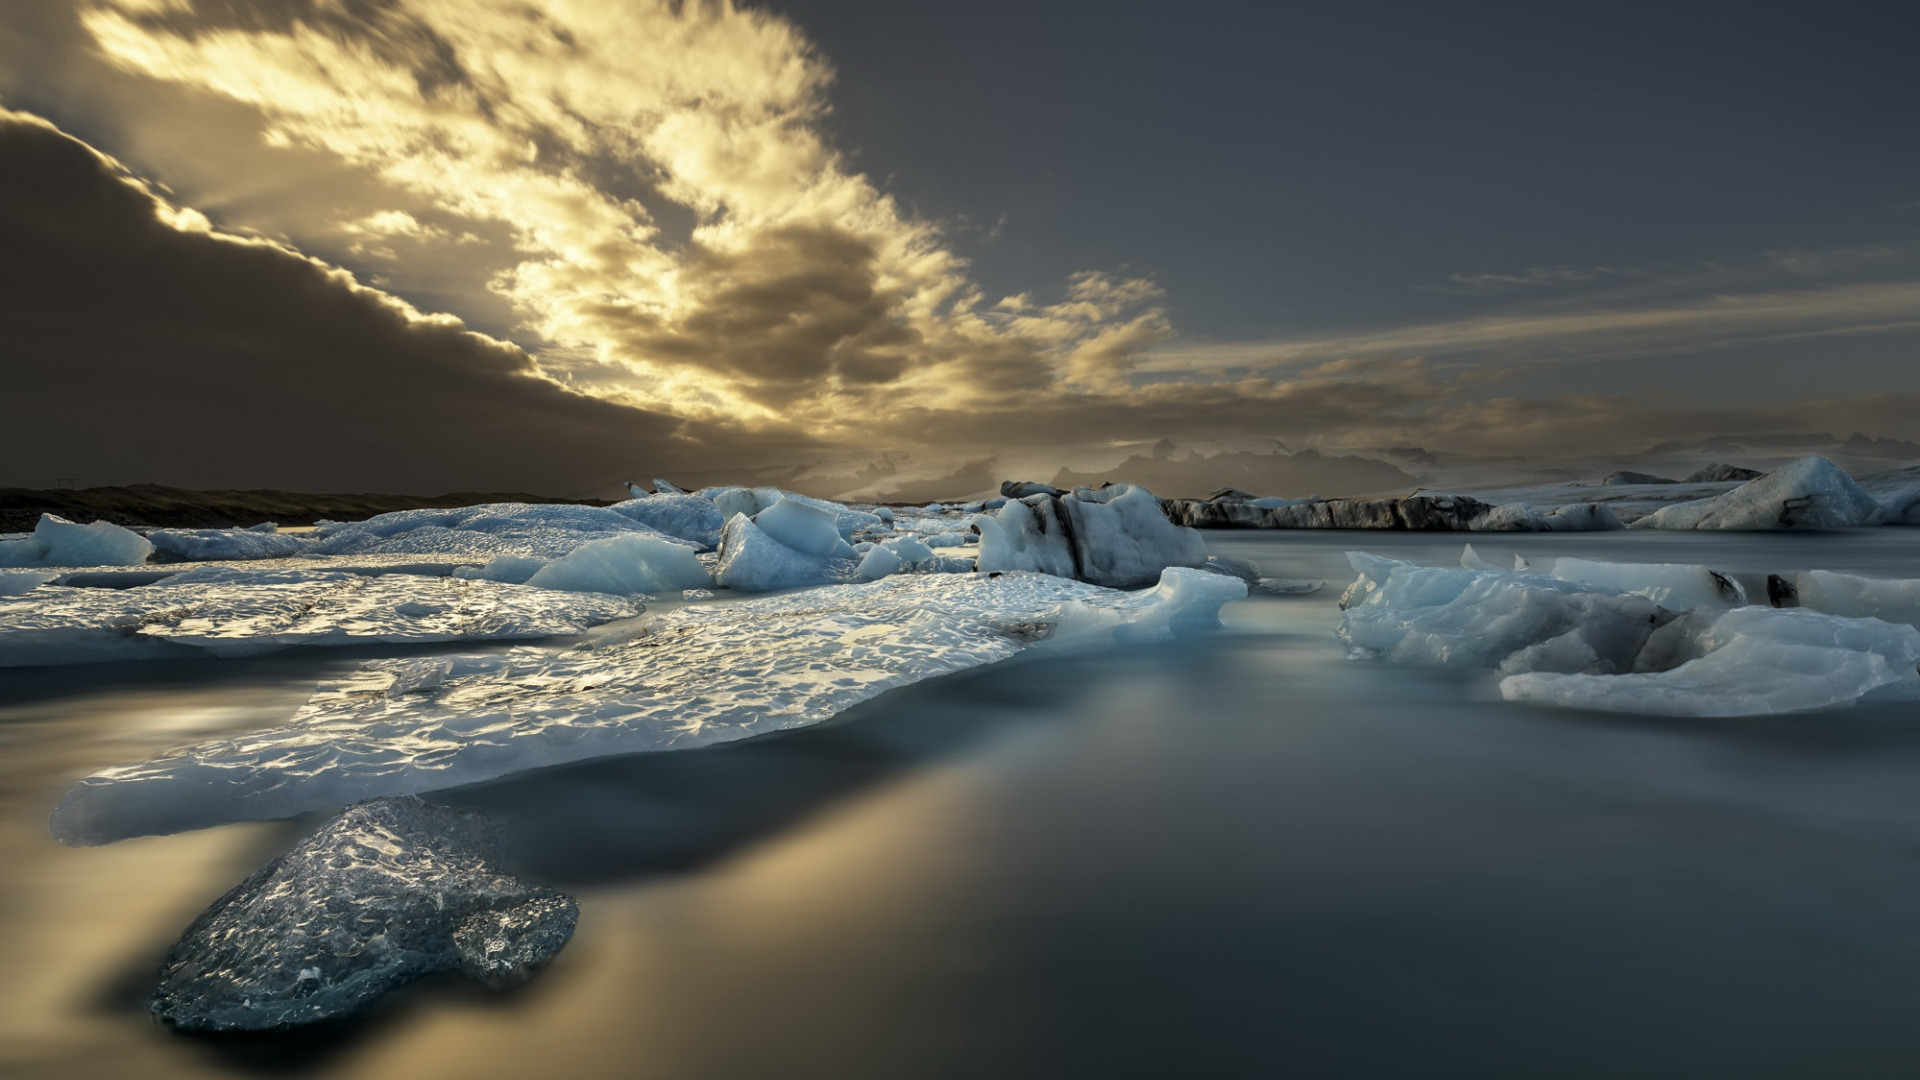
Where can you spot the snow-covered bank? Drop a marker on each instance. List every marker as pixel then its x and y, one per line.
pixel 691 677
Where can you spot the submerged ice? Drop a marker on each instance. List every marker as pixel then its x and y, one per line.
pixel 690 677
pixel 386 892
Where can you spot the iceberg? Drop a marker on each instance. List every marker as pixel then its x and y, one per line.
pixel 16 582
pixel 750 501
pixel 1116 536
pixel 806 529
pixel 753 561
pixel 1675 586
pixel 230 612
pixel 220 545
pixel 1810 493
pixel 690 677
pixel 388 891
pixel 1857 597
pixel 1752 661
pixel 58 542
pixel 535 530
pixel 878 562
pixel 624 566
pixel 677 514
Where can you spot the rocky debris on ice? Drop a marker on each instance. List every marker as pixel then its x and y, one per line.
pixel 235 612
pixel 1719 472
pixel 689 677
pixel 1810 493
pixel 1626 477
pixel 220 545
pixel 1023 489
pixel 386 892
pixel 1579 638
pixel 1523 517
pixel 1116 536
pixel 542 531
pixel 677 514
pixel 1434 512
pixel 55 541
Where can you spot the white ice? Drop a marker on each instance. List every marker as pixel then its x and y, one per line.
pixel 1894 601
pixel 1116 536
pixel 624 566
pixel 1753 661
pixel 213 545
pixel 688 517
pixel 1809 493
pixel 228 612
pixel 59 542
pixel 536 530
pixel 753 561
pixel 806 529
pixel 694 677
pixel 1674 586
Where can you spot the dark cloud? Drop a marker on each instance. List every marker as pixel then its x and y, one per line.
pixel 138 352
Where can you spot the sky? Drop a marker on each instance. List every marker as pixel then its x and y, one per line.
pixel 549 245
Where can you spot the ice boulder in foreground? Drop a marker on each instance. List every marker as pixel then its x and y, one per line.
pixel 1590 644
pixel 678 514
pixel 1116 536
pixel 220 545
pixel 1675 586
pixel 59 542
pixel 692 677
pixel 386 892
pixel 535 530
pixel 624 566
pixel 230 612
pixel 1810 493
pixel 751 560
pixel 1854 597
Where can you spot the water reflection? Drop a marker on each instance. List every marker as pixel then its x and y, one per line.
pixel 1239 857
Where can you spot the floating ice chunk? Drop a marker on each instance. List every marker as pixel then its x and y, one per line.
pixel 59 542
pixel 213 545
pixel 878 562
pixel 1472 560
pixel 948 540
pixel 911 551
pixel 1859 597
pixel 623 566
pixel 700 675
pixel 1811 493
pixel 1116 536
pixel 753 561
pixel 1753 661
pixel 388 891
pixel 806 529
pixel 750 501
pixel 666 487
pixel 536 530
pixel 512 569
pixel 1489 618
pixel 678 514
pixel 227 612
pixel 16 582
pixel 1674 586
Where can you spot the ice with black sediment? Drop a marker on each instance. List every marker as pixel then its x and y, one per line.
pixel 390 890
pixel 686 678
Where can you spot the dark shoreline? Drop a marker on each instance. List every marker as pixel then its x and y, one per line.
pixel 155 506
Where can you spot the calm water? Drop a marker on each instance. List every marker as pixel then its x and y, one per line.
pixel 1243 856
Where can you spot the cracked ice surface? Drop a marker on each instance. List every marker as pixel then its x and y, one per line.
pixel 690 677
pixel 237 612
pixel 386 892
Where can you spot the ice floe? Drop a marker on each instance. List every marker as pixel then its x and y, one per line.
pixel 1590 635
pixel 215 545
pixel 1809 493
pixel 1894 601
pixel 678 514
pixel 689 677
pixel 537 530
pixel 228 612
pixel 55 541
pixel 388 891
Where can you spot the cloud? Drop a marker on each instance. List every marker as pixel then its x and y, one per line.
pixel 679 233
pixel 144 345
